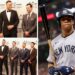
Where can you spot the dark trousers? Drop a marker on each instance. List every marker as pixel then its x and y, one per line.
pixel 14 65
pixel 25 66
pixel 11 34
pixel 1 63
pixel 33 68
pixel 5 62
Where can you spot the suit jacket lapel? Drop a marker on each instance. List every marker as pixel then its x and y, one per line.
pixel 31 15
pixel 11 16
pixel 0 48
pixel 25 50
pixel 5 15
pixel 3 48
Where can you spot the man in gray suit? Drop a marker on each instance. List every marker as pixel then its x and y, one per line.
pixel 13 54
pixel 24 56
pixel 29 22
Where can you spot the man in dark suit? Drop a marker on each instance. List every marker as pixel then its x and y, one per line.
pixel 13 54
pixel 8 21
pixel 32 59
pixel 29 22
pixel 4 56
pixel 24 56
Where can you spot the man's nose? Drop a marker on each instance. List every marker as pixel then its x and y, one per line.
pixel 65 20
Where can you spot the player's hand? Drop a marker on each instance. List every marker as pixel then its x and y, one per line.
pixel 1 35
pixel 66 70
pixel 10 27
pixel 1 57
pixel 53 71
pixel 74 69
pixel 22 61
pixel 26 33
pixel 12 58
pixel 29 61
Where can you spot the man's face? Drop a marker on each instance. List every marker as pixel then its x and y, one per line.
pixel 23 45
pixel 9 5
pixel 32 45
pixel 28 8
pixel 66 23
pixel 14 44
pixel 3 42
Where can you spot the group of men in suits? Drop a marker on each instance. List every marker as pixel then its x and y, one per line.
pixel 9 21
pixel 25 57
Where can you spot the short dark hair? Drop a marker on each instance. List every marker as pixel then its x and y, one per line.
pixel 14 42
pixel 4 40
pixel 8 1
pixel 30 5
pixel 24 43
pixel 33 43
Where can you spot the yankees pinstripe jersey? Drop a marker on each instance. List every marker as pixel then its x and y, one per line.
pixel 64 50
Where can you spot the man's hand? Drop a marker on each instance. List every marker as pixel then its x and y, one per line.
pixel 29 61
pixel 1 57
pixel 1 34
pixel 22 61
pixel 27 33
pixel 12 58
pixel 10 27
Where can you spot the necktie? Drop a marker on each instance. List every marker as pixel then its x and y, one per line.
pixel 28 22
pixel 28 16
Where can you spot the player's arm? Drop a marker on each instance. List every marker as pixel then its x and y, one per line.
pixel 51 60
pixel 52 70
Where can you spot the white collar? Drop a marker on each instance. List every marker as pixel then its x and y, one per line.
pixel 30 13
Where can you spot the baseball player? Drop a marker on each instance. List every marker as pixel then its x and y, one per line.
pixel 63 46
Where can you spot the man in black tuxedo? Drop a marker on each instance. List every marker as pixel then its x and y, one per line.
pixel 24 56
pixel 4 56
pixel 8 21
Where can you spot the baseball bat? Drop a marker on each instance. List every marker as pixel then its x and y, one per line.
pixel 45 24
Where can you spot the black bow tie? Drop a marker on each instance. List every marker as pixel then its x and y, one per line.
pixel 9 11
pixel 2 45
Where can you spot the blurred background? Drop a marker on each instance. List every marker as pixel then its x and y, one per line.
pixel 51 7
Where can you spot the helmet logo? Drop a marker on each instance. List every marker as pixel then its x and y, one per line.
pixel 64 12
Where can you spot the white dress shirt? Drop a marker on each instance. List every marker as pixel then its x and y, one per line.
pixel 2 48
pixel 29 15
pixel 8 15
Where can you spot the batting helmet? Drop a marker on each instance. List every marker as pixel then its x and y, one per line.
pixel 63 13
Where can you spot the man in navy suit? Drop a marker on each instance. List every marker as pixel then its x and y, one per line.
pixel 8 21
pixel 24 56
